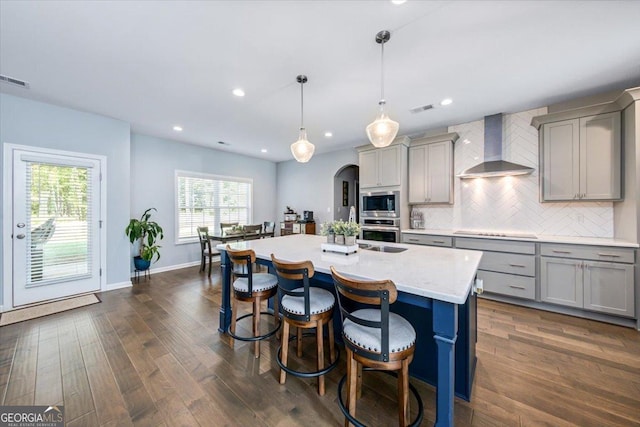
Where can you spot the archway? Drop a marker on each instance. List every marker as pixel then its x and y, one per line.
pixel 346 187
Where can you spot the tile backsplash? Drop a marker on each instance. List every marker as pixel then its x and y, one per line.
pixel 512 203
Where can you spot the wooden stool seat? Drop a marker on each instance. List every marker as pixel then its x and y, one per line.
pixel 254 288
pixel 375 339
pixel 304 307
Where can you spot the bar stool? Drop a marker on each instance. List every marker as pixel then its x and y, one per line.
pixel 304 307
pixel 369 343
pixel 251 287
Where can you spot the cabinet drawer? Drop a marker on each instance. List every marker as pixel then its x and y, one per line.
pixel 508 284
pixel 427 239
pixel 595 253
pixel 524 265
pixel 496 245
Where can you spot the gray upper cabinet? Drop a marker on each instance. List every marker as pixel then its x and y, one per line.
pixel 431 169
pixel 382 167
pixel 581 158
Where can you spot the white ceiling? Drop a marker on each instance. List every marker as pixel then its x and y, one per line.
pixel 156 64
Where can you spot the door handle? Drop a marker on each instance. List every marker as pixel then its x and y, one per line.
pixel 20 225
pixel 20 236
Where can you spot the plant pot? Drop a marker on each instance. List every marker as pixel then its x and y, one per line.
pixel 331 238
pixel 140 263
pixel 349 240
pixel 340 239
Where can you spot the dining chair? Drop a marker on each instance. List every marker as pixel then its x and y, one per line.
pixel 269 229
pixel 205 248
pixel 226 226
pixel 304 307
pixel 254 288
pixel 252 232
pixel 375 339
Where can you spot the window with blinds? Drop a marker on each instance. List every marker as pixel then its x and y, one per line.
pixel 58 220
pixel 208 200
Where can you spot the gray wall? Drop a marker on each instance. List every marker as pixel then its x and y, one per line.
pixel 153 165
pixel 309 186
pixel 37 124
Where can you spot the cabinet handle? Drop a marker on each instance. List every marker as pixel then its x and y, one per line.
pixel 611 255
pixel 438 241
pixel 413 240
pixel 517 265
pixel 517 287
pixel 575 196
pixel 555 251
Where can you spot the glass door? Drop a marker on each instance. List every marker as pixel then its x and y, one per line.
pixel 56 221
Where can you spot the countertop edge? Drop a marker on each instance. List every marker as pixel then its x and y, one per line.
pixel 568 240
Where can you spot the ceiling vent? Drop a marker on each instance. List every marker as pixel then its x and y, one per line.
pixel 421 108
pixel 13 81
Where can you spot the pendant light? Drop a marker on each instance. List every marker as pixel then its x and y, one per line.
pixel 302 149
pixel 382 130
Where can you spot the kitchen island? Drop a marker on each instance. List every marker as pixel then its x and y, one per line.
pixel 434 294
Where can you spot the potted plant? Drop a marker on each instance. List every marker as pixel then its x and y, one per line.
pixel 338 229
pixel 327 230
pixel 351 230
pixel 147 233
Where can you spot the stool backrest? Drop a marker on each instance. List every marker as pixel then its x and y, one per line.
pixel 203 236
pixel 376 293
pixel 241 264
pixel 290 274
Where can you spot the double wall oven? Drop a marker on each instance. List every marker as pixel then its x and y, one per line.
pixel 380 216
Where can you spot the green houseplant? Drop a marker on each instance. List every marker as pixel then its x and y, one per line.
pixel 327 230
pixel 350 230
pixel 148 233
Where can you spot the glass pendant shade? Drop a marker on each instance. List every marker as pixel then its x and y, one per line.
pixel 382 131
pixel 302 149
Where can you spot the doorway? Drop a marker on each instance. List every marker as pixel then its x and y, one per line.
pixel 55 222
pixel 346 188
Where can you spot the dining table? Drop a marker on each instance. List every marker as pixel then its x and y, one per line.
pixel 231 236
pixel 435 293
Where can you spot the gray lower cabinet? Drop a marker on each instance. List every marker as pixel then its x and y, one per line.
pixel 427 239
pixel 561 281
pixel 507 267
pixel 587 283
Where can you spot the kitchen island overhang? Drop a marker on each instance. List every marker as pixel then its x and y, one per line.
pixel 433 279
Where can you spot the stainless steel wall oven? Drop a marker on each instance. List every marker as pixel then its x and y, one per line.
pixel 380 229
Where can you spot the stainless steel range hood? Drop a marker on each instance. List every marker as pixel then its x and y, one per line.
pixel 493 164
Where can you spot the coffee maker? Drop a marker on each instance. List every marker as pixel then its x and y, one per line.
pixel 307 216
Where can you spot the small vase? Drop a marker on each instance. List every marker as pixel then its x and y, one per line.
pixel 349 240
pixel 340 239
pixel 331 238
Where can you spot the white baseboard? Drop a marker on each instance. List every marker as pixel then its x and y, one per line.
pixel 171 267
pixel 114 286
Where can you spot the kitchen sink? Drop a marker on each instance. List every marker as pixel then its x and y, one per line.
pixel 390 249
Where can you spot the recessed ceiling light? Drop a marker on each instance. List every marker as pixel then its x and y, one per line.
pixel 177 128
pixel 328 134
pixel 398 1
pixel 466 141
pixel 446 101
pixel 264 150
pixel 238 92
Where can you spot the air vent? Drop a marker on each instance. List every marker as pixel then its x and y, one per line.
pixel 421 108
pixel 13 81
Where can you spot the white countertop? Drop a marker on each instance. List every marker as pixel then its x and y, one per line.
pixel 540 238
pixel 440 273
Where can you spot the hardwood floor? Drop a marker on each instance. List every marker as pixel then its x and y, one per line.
pixel 151 355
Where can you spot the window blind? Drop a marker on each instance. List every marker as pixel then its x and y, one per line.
pixel 58 220
pixel 209 200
